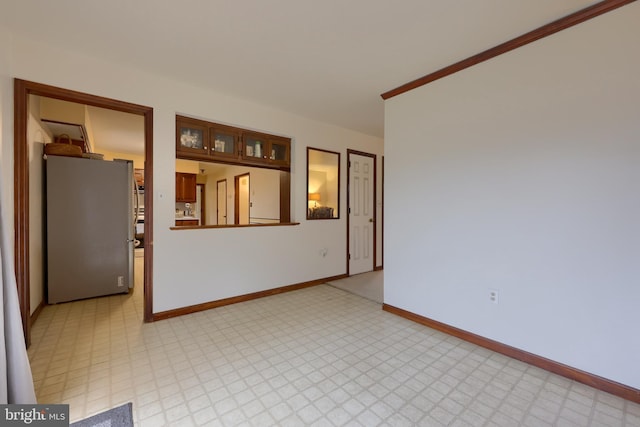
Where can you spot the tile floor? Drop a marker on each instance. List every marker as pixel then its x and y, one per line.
pixel 318 356
pixel 368 285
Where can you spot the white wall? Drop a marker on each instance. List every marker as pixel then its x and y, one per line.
pixel 522 174
pixel 195 266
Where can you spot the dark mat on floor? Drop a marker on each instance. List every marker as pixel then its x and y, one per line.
pixel 122 416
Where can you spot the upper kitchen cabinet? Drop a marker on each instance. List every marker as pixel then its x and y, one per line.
pixel 213 142
pixel 266 149
pixel 185 187
pixel 192 138
pixel 226 142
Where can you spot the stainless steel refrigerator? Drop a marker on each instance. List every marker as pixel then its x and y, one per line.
pixel 90 227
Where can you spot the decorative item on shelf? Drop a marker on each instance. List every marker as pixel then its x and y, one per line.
pixel 249 151
pixel 315 198
pixel 273 154
pixel 258 151
pixel 219 145
pixel 191 138
pixel 60 148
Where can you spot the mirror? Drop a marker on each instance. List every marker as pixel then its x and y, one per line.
pixel 323 184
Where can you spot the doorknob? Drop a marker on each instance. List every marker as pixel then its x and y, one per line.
pixel 370 219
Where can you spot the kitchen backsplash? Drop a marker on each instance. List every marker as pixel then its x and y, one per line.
pixel 187 209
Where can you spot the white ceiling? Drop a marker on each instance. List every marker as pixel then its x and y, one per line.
pixel 326 59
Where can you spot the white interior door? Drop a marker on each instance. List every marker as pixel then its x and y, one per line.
pixel 361 213
pixel 222 202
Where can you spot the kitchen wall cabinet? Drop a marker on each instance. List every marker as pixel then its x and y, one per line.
pixel 192 138
pixel 213 142
pixel 266 149
pixel 225 143
pixel 185 187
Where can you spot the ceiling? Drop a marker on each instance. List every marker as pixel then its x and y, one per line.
pixel 327 60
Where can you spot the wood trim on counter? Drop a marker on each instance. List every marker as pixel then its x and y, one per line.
pixel 583 377
pixel 200 227
pixel 537 34
pixel 242 298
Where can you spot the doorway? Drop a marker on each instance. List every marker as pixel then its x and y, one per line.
pixel 221 194
pixel 22 90
pixel 361 219
pixel 242 199
pixel 200 203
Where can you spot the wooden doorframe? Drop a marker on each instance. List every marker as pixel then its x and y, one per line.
pixel 375 202
pixel 21 91
pixel 226 208
pixel 202 201
pixel 236 197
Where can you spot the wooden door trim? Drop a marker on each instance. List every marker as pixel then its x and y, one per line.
pixel 236 198
pixel 226 208
pixel 375 210
pixel 537 34
pixel 202 201
pixel 21 91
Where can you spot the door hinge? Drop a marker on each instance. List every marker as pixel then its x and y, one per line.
pixel 349 256
pixel 349 210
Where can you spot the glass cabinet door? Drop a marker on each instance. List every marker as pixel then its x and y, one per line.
pixel 224 143
pixel 192 138
pixel 279 152
pixel 255 147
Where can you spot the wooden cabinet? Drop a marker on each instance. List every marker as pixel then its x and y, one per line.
pixel 225 142
pixel 192 138
pixel 185 187
pixel 266 149
pixel 186 222
pixel 206 141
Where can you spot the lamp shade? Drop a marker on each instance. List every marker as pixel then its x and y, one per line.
pixel 314 197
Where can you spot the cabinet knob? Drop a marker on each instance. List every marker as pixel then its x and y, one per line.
pixel 205 147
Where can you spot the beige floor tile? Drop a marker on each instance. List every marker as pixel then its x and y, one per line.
pixel 317 356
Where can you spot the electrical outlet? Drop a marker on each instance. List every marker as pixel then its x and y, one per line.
pixel 494 296
pixel 120 281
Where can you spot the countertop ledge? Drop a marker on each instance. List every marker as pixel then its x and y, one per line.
pixel 200 227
